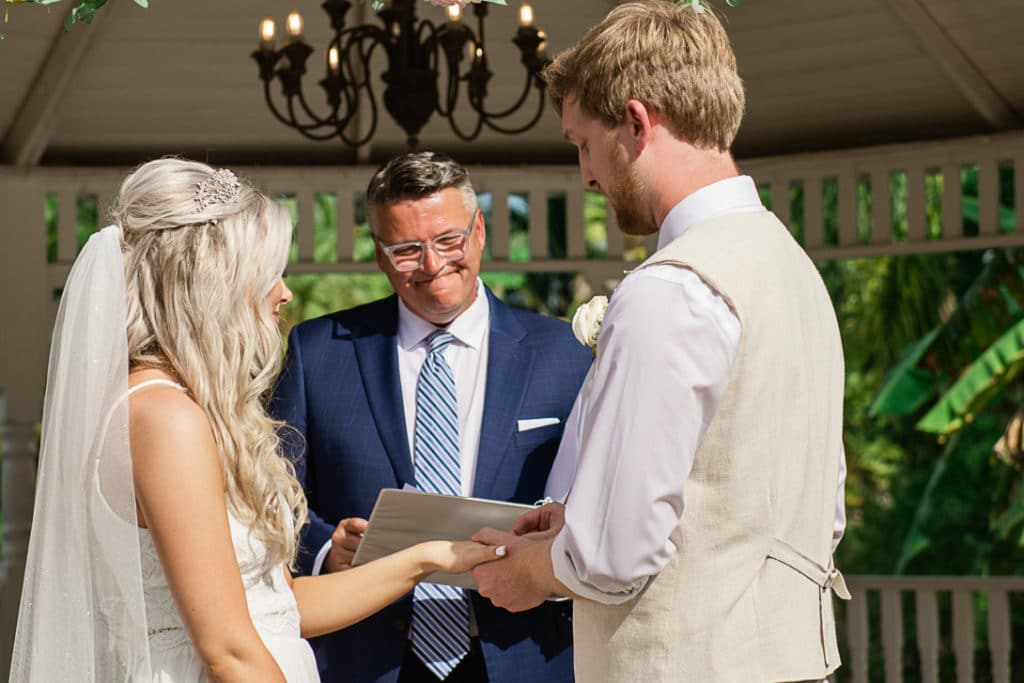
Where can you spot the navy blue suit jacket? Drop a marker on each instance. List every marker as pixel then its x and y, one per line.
pixel 340 388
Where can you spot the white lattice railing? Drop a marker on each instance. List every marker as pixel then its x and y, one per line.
pixel 847 201
pixel 944 612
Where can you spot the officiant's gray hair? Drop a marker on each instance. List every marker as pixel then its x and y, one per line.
pixel 418 175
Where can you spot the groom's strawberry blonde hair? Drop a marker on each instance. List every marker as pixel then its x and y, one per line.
pixel 675 60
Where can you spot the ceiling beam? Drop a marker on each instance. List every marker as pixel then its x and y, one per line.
pixel 969 80
pixel 29 134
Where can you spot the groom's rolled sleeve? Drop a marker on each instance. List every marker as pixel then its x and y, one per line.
pixel 665 354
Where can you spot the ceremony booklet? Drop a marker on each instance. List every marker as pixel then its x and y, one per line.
pixel 405 517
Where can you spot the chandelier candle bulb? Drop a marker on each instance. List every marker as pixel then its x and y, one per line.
pixel 332 59
pixel 267 34
pixel 525 15
pixel 454 13
pixel 295 24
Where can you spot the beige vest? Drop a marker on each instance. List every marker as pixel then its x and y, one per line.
pixel 747 597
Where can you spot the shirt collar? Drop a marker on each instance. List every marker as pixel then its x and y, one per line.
pixel 732 195
pixel 468 328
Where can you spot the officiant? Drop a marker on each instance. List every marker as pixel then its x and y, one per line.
pixel 442 387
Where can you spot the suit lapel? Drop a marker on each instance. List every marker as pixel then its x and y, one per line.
pixel 508 371
pixel 377 354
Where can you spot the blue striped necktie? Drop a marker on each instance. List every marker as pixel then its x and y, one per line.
pixel 440 614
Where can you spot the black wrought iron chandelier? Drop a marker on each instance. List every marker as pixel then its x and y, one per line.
pixel 419 54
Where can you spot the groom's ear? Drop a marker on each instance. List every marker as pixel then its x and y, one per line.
pixel 639 122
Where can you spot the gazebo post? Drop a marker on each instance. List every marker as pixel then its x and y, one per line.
pixel 24 344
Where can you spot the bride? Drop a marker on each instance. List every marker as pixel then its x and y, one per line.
pixel 165 519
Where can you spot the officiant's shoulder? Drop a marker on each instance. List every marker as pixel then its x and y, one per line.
pixel 342 324
pixel 545 329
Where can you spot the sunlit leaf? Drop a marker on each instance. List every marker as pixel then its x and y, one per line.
pixel 982 380
pixel 907 386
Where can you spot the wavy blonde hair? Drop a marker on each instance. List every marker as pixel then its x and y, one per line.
pixel 675 60
pixel 197 279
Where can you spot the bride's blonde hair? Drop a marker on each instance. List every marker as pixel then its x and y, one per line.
pixel 202 251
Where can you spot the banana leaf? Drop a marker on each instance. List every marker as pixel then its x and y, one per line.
pixel 907 386
pixel 981 315
pixel 982 380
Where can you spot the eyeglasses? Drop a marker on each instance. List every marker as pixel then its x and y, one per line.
pixel 407 256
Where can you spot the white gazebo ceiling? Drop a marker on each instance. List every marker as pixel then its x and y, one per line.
pixel 178 78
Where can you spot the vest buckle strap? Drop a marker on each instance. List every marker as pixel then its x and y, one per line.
pixel 829 578
pixel 837 584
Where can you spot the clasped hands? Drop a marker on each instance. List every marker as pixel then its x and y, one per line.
pixel 520 581
pixel 524 578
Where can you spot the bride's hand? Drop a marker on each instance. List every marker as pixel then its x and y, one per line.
pixel 455 557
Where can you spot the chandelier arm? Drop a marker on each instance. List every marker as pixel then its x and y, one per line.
pixel 446 104
pixel 273 106
pixel 355 39
pixel 371 129
pixel 466 136
pixel 305 129
pixel 525 127
pixel 352 92
pixel 366 138
pixel 478 105
pixel 446 107
pixel 308 110
pixel 432 38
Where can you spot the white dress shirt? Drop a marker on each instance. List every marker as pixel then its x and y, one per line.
pixel 467 357
pixel 628 492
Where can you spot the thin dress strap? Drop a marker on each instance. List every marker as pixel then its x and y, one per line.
pixel 124 396
pixel 151 382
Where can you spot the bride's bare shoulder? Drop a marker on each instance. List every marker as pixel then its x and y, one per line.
pixel 163 413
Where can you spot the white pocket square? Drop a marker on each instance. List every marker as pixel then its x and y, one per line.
pixel 537 422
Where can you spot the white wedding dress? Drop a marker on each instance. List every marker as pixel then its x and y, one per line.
pixel 271 606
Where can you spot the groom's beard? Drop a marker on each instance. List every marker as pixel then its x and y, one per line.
pixel 628 196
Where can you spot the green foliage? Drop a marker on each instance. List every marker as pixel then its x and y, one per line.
pixel 84 10
pixel 933 342
pixel 316 295
pixel 907 386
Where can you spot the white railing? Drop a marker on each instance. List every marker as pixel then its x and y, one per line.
pixel 847 203
pixel 929 602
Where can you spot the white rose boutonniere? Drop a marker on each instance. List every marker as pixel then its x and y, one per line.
pixel 586 323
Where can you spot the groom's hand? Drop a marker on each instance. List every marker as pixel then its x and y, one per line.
pixel 523 578
pixel 344 542
pixel 547 519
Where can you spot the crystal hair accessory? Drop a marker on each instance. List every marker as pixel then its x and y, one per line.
pixel 220 188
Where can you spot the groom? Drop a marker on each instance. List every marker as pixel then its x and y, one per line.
pixel 352 386
pixel 698 531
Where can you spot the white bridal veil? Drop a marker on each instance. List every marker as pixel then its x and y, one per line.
pixel 82 615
